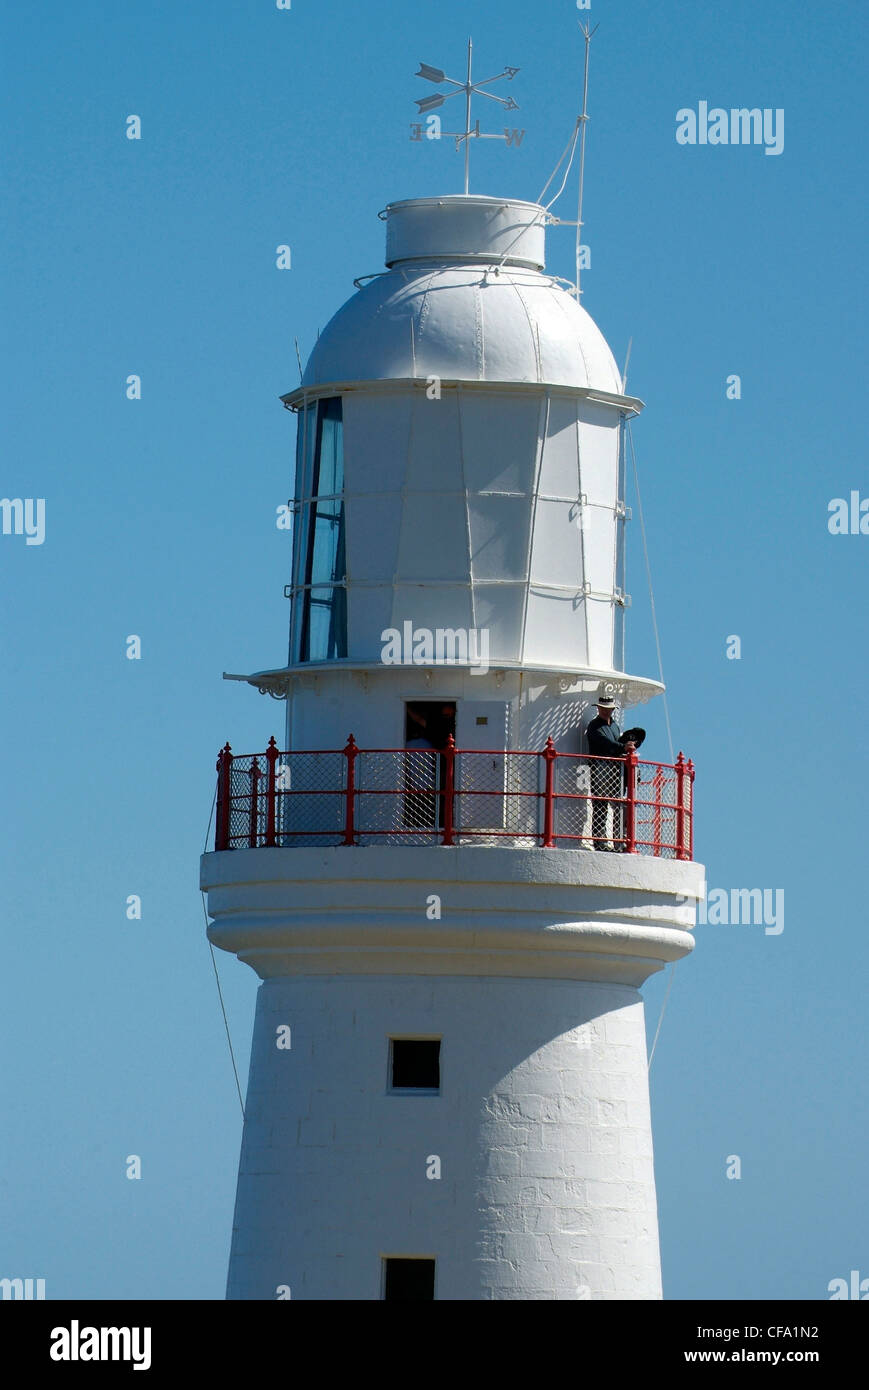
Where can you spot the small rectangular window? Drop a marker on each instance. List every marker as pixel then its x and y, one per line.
pixel 408 1281
pixel 415 1064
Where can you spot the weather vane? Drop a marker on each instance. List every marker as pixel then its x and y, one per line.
pixel 427 104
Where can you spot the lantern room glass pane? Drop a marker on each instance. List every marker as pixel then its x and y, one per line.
pixel 326 633
pixel 319 559
pixel 327 541
pixel 305 444
pixel 330 453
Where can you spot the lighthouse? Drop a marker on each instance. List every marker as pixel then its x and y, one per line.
pixel 450 901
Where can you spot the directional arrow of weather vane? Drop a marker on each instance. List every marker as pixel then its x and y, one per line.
pixel 426 104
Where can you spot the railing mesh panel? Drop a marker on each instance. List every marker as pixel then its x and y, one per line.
pixel 397 796
pixel 310 790
pixel 657 809
pixel 497 797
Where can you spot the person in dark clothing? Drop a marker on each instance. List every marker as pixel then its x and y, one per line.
pixel 607 780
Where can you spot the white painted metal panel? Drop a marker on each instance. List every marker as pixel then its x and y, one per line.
pixel 373 526
pixel 445 605
pixel 555 628
pixel 376 437
pixel 599 458
pixel 369 611
pixel 499 441
pixel 600 633
pixel 559 469
pixel 500 533
pixel 482 772
pixel 556 557
pixel 471 733
pixel 443 318
pixel 433 542
pixel 498 609
pixel 467 227
pixel 435 460
pixel 599 544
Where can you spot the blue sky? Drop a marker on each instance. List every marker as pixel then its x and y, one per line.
pixel 157 257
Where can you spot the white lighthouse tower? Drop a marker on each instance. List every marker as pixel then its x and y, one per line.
pixel 450 914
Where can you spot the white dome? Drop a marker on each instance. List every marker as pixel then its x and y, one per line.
pixel 460 315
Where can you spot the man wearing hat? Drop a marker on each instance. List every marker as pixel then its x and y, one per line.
pixel 605 741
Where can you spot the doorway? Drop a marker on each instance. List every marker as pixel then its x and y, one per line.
pixel 427 726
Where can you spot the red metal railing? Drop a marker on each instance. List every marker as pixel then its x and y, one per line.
pixel 453 796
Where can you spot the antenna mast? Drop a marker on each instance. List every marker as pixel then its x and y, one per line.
pixel 583 120
pixel 468 91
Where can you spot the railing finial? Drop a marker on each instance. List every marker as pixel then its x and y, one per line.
pixel 272 756
pixel 631 764
pixel 351 752
pixel 224 792
pixel 449 790
pixel 549 755
pixel 681 770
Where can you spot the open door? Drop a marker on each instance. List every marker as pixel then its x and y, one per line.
pixel 427 725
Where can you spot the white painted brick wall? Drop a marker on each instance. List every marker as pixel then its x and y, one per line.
pixel 545 1146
